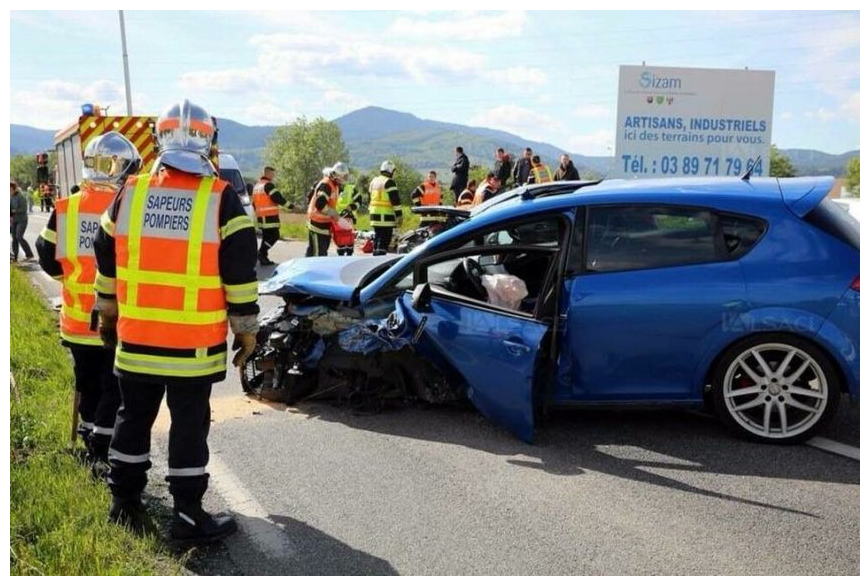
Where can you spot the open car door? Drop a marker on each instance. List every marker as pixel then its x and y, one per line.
pixel 494 351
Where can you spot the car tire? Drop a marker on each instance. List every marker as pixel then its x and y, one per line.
pixel 775 388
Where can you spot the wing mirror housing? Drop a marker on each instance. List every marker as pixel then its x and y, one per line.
pixel 421 297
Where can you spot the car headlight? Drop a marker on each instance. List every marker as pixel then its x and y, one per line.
pixel 245 199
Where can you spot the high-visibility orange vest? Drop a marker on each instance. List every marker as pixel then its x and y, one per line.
pixel 465 200
pixel 432 195
pixel 169 292
pixel 267 212
pixel 479 198
pixel 542 174
pixel 77 225
pixel 314 215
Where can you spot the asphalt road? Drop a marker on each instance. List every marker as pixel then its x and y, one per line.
pixel 318 490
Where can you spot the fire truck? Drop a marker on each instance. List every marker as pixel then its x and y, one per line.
pixel 71 141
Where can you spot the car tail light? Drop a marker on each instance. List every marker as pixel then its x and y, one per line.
pixel 856 284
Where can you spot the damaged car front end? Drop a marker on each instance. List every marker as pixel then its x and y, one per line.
pixel 318 345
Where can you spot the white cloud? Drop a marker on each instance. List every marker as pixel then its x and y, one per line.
pixel 848 109
pixel 474 26
pixel 786 116
pixel 596 143
pixel 593 111
pixel 292 57
pixel 231 81
pixel 55 104
pixel 517 120
pixel 267 113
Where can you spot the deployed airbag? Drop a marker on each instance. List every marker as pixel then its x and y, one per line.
pixel 506 291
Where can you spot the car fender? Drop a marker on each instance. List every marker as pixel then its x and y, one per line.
pixel 756 321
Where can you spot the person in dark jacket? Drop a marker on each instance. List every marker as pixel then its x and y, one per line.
pixel 521 172
pixel 566 171
pixel 461 170
pixel 503 167
pixel 18 207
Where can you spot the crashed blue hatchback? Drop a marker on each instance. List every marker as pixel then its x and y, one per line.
pixel 742 295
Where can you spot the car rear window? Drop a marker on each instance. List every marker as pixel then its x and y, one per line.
pixel 833 219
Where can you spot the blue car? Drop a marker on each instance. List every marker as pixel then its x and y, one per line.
pixel 738 294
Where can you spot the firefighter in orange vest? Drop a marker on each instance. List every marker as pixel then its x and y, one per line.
pixel 539 173
pixel 465 198
pixel 176 258
pixel 487 189
pixel 66 253
pixel 322 209
pixel 428 193
pixel 267 202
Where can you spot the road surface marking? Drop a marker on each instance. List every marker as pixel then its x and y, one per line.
pixel 252 518
pixel 827 445
pixel 268 535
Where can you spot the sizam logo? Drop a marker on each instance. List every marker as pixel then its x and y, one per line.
pixel 650 81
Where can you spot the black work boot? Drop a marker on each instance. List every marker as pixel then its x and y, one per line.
pixel 131 513
pixel 97 456
pixel 191 524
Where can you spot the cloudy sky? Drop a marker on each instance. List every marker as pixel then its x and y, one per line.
pixel 549 76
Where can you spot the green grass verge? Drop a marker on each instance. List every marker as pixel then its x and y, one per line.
pixel 57 510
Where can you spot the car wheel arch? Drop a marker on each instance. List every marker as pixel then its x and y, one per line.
pixel 707 384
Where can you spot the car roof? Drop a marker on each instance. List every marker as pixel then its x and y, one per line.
pixel 724 192
pixel 227 161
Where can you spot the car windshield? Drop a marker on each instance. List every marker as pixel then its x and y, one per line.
pixel 235 179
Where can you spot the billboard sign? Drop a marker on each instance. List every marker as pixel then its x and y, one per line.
pixel 676 121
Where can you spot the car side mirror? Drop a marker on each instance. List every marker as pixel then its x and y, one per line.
pixel 249 187
pixel 421 297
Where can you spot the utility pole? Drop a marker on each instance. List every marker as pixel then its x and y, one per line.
pixel 125 65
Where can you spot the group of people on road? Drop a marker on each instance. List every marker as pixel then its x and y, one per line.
pixel 155 269
pixel 333 202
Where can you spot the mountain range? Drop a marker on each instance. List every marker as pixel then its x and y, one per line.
pixel 372 134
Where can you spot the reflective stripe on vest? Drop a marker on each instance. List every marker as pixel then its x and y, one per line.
pixel 542 174
pixel 381 211
pixel 465 200
pixel 170 295
pixel 314 215
pixel 267 212
pixel 479 197
pixel 347 194
pixel 77 225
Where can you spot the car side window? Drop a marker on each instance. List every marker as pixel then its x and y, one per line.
pixel 621 238
pixel 539 232
pixel 740 234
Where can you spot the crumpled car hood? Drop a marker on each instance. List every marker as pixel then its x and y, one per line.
pixel 330 277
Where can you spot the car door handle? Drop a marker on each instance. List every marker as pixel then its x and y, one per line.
pixel 516 348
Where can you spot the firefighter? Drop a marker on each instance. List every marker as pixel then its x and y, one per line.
pixel 465 199
pixel 322 209
pixel 428 194
pixel 487 189
pixel 267 202
pixel 176 258
pixel 539 173
pixel 47 201
pixel 66 252
pixel 385 211
pixel 347 205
